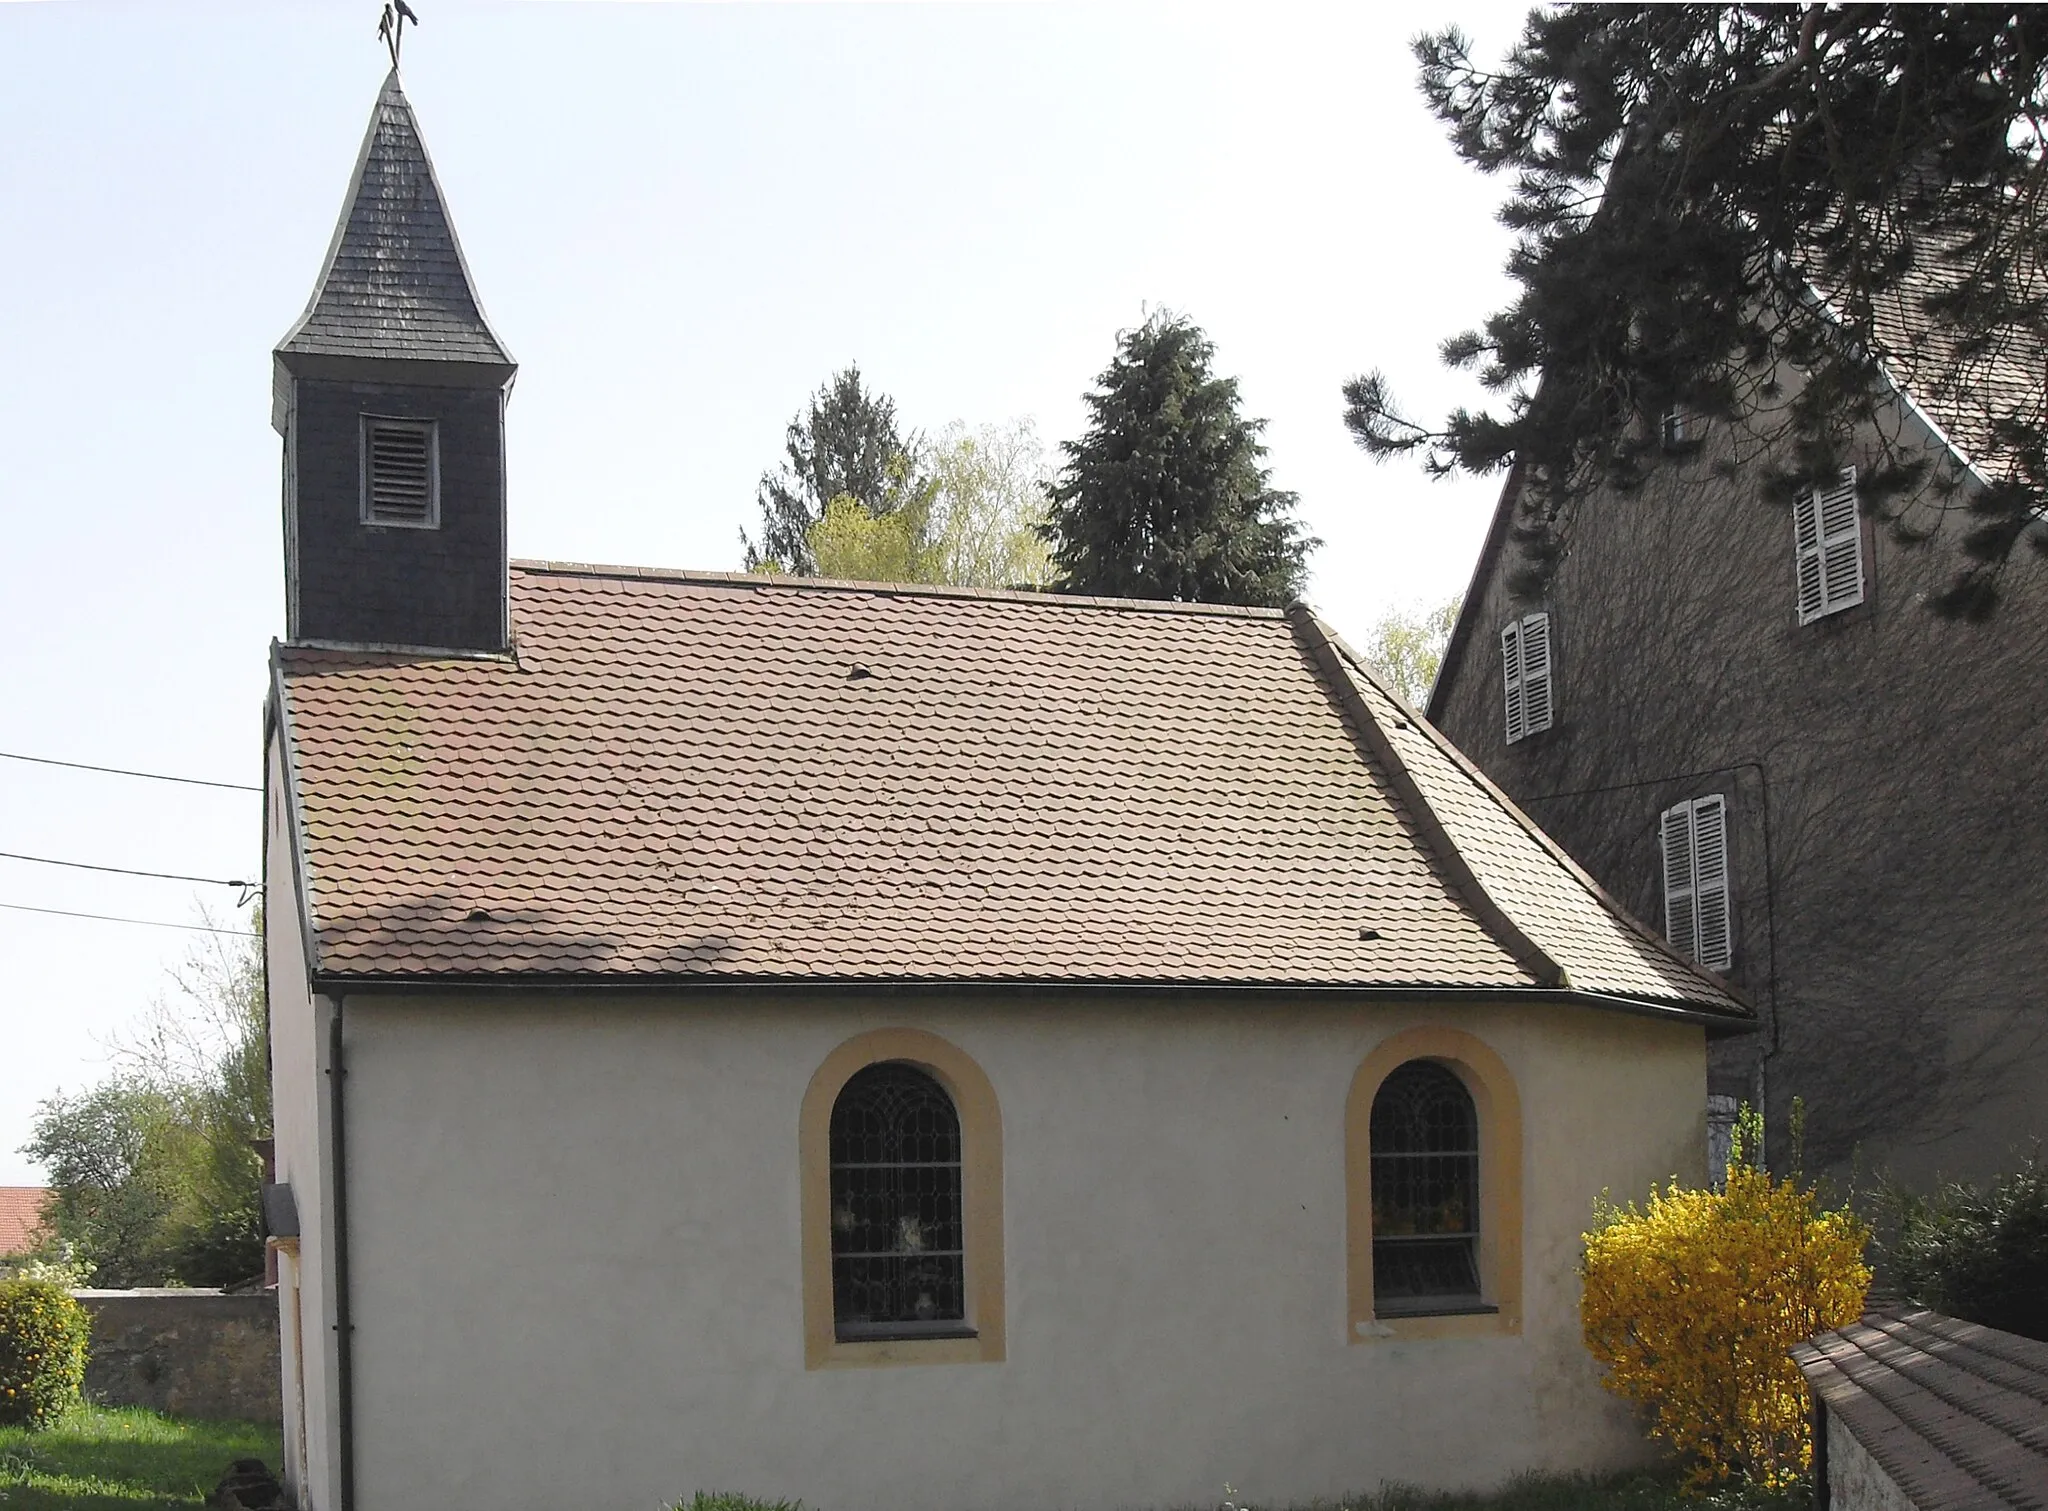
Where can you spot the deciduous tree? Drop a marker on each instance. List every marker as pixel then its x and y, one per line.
pixel 971 520
pixel 989 498
pixel 153 1176
pixel 1406 646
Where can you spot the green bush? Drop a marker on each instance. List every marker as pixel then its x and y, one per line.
pixel 43 1333
pixel 1978 1255
pixel 729 1500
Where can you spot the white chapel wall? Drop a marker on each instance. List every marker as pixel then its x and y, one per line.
pixel 297 1051
pixel 575 1257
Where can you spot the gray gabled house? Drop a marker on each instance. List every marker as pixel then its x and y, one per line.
pixel 1748 724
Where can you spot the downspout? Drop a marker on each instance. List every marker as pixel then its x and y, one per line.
pixel 344 1328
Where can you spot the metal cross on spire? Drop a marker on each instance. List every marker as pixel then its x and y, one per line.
pixel 391 29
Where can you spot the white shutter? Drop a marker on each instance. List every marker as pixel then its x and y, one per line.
pixel 1806 555
pixel 1841 545
pixel 1511 673
pixel 1712 933
pixel 1536 673
pixel 1680 923
pixel 1827 542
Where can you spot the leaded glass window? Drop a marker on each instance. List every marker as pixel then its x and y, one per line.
pixel 1425 1192
pixel 897 1249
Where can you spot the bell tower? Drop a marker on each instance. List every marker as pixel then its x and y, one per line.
pixel 390 395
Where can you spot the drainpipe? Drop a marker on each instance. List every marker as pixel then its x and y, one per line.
pixel 344 1329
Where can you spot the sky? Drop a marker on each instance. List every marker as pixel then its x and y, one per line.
pixel 681 218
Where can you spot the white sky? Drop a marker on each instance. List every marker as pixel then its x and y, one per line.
pixel 681 219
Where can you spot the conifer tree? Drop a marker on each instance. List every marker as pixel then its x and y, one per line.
pixel 1690 183
pixel 1167 495
pixel 844 445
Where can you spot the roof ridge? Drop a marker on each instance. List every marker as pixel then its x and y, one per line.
pixel 1572 869
pixel 1046 598
pixel 1325 650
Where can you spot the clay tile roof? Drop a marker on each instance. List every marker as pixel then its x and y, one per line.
pixel 21 1218
pixel 697 775
pixel 1955 1414
pixel 394 283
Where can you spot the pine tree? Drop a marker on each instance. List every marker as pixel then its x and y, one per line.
pixel 845 445
pixel 1686 179
pixel 1167 496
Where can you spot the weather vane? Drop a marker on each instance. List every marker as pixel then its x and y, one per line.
pixel 391 30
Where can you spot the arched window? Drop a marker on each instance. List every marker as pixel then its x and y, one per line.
pixel 1425 1192
pixel 898 1250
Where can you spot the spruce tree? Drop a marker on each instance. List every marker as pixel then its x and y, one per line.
pixel 844 445
pixel 1167 495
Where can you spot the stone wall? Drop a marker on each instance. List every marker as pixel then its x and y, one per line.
pixel 193 1353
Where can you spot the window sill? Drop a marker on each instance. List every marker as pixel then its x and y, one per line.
pixel 925 1348
pixel 1445 1306
pixel 886 1333
pixel 1475 1320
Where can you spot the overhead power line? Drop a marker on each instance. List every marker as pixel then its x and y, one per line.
pixel 148 923
pixel 79 865
pixel 154 776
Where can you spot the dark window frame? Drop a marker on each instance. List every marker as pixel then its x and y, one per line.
pixel 1427 1211
pixel 898 1216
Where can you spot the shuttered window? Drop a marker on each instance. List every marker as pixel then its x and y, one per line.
pixel 1697 918
pixel 401 472
pixel 1525 670
pixel 1828 546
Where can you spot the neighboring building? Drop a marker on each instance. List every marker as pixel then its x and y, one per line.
pixel 1914 1411
pixel 1748 724
pixel 22 1213
pixel 891 1047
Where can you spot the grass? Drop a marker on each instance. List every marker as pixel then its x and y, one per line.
pixel 102 1458
pixel 1546 1492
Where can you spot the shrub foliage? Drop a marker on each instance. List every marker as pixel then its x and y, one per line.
pixel 1981 1255
pixel 43 1333
pixel 1693 1300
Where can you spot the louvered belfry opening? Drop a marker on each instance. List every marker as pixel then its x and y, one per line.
pixel 897 1228
pixel 389 393
pixel 1425 1193
pixel 401 472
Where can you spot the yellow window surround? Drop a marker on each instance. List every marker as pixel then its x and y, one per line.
pixel 981 1191
pixel 1499 1107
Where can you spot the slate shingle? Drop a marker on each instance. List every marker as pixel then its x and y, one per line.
pixel 394 283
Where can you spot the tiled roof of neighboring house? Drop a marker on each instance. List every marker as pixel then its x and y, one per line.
pixel 395 284
pixel 21 1218
pixel 748 778
pixel 1965 393
pixel 1955 1414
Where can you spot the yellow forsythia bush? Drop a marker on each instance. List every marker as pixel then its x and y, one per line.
pixel 43 1334
pixel 1693 1300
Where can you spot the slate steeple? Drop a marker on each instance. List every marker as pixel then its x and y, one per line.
pixel 390 393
